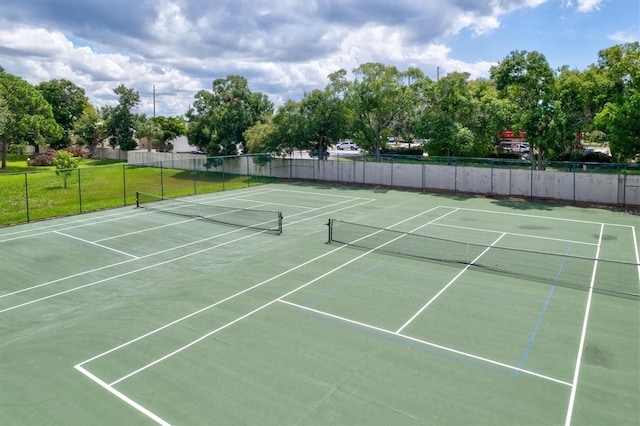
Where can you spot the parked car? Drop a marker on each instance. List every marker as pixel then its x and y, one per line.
pixel 347 145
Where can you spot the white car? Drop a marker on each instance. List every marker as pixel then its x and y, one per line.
pixel 347 145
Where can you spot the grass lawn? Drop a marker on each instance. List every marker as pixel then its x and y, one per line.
pixel 34 193
pixel 18 163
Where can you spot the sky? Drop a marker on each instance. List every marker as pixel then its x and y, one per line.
pixel 286 48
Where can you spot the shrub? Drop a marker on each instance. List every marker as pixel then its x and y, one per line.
pixel 75 150
pixel 596 157
pixel 510 155
pixel 65 162
pixel 415 150
pixel 42 158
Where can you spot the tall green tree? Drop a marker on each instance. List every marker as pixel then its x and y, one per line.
pixel 89 129
pixel 218 119
pixel 403 125
pixel 578 97
pixel 120 120
pixel 67 102
pixel 288 130
pixel 325 118
pixel 258 138
pixel 462 117
pixel 527 80
pixel 491 116
pixel 443 121
pixel 620 116
pixel 171 128
pixel 377 97
pixel 28 116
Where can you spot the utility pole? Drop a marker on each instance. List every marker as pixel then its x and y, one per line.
pixel 154 100
pixel 437 73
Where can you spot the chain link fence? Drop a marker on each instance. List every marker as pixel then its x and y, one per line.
pixel 39 195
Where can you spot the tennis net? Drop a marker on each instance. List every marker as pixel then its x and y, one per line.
pixel 611 277
pixel 264 220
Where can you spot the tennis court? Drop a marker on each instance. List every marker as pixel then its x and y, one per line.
pixel 422 309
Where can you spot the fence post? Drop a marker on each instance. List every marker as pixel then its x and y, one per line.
pixel 195 186
pixel 624 188
pixel 455 175
pixel 79 191
pixel 531 182
pixel 26 193
pixel 161 179
pixel 124 184
pixel 364 166
pixel 574 182
pixel 491 189
pixel 248 175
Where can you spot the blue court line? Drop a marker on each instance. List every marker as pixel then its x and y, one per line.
pixel 544 310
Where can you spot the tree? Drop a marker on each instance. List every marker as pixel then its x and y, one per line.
pixel 28 116
pixel 171 128
pixel 376 98
pixel 526 79
pixel 147 128
pixel 258 138
pixel 620 117
pixel 89 129
pixel 462 118
pixel 288 131
pixel 218 119
pixel 4 114
pixel 578 96
pixel 67 101
pixel 404 124
pixel 65 163
pixel 120 120
pixel 491 116
pixel 324 118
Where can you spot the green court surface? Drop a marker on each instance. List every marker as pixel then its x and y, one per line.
pixel 133 316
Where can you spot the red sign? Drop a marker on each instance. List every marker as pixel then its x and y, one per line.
pixel 507 134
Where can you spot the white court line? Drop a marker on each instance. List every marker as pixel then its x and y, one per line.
pixel 123 397
pixel 166 225
pixel 427 343
pixel 308 210
pixel 93 221
pixel 589 222
pixel 95 244
pixel 635 246
pixel 443 289
pixel 515 234
pixel 583 335
pixel 242 292
pixel 161 263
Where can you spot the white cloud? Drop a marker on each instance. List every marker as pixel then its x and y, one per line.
pixel 283 48
pixel 624 37
pixel 585 6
